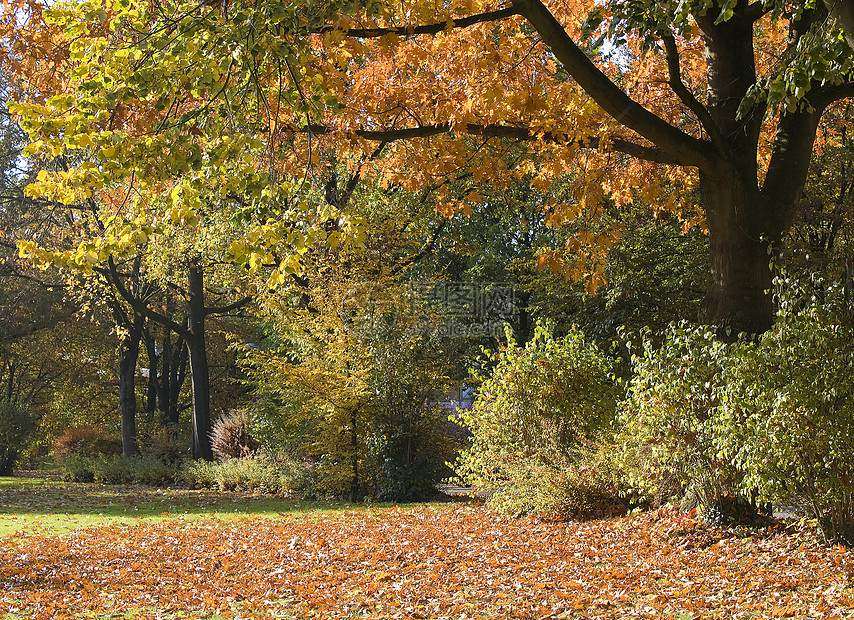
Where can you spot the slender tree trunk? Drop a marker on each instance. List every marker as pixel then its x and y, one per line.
pixel 354 459
pixel 199 370
pixel 10 383
pixel 153 396
pixel 129 354
pixel 178 357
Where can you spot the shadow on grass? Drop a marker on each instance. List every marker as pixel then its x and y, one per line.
pixel 39 501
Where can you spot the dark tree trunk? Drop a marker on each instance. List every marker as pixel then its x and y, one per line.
pixel 152 396
pixel 742 238
pixel 10 382
pixel 129 354
pixel 178 359
pixel 199 370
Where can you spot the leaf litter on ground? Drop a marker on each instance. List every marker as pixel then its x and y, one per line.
pixel 426 561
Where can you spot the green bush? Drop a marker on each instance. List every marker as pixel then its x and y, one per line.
pixel 17 423
pixel 767 420
pixel 120 469
pixel 670 420
pixel 408 450
pixel 535 423
pixel 261 473
pixel 76 467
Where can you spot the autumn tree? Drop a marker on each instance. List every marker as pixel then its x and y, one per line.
pixel 699 89
pixel 690 104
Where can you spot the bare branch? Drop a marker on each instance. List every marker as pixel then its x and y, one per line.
pixel 230 307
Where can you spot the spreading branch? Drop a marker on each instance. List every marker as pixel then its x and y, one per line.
pixel 139 305
pixel 404 31
pixel 522 134
pixel 685 95
pixel 680 147
pixel 230 307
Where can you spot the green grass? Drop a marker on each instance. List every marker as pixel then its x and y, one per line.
pixel 41 504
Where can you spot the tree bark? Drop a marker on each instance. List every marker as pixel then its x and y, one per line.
pixel 178 359
pixel 152 397
pixel 742 239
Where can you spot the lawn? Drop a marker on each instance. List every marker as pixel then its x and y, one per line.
pixel 41 504
pixel 451 560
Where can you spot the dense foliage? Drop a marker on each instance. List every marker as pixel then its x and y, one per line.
pixel 16 425
pixel 765 419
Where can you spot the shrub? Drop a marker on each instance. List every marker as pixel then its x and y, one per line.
pixel 86 441
pixel 407 454
pixel 789 410
pixel 230 438
pixel 671 420
pixel 117 469
pixel 544 407
pixel 767 420
pixel 16 425
pixel 121 469
pixel 77 467
pixel 261 473
pixel 164 444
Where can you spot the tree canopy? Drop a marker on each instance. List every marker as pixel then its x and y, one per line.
pixel 158 111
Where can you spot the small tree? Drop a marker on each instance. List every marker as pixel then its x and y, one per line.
pixel 539 410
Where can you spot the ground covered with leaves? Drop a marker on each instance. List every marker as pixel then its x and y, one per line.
pixel 424 561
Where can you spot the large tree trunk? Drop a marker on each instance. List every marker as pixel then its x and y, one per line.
pixel 199 370
pixel 742 236
pixel 129 354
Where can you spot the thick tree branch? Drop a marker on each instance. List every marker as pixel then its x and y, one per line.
pixel 648 153
pixel 139 305
pixel 462 22
pixel 684 149
pixel 823 96
pixel 789 163
pixel 843 12
pixel 230 307
pixel 686 96
pixel 756 11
